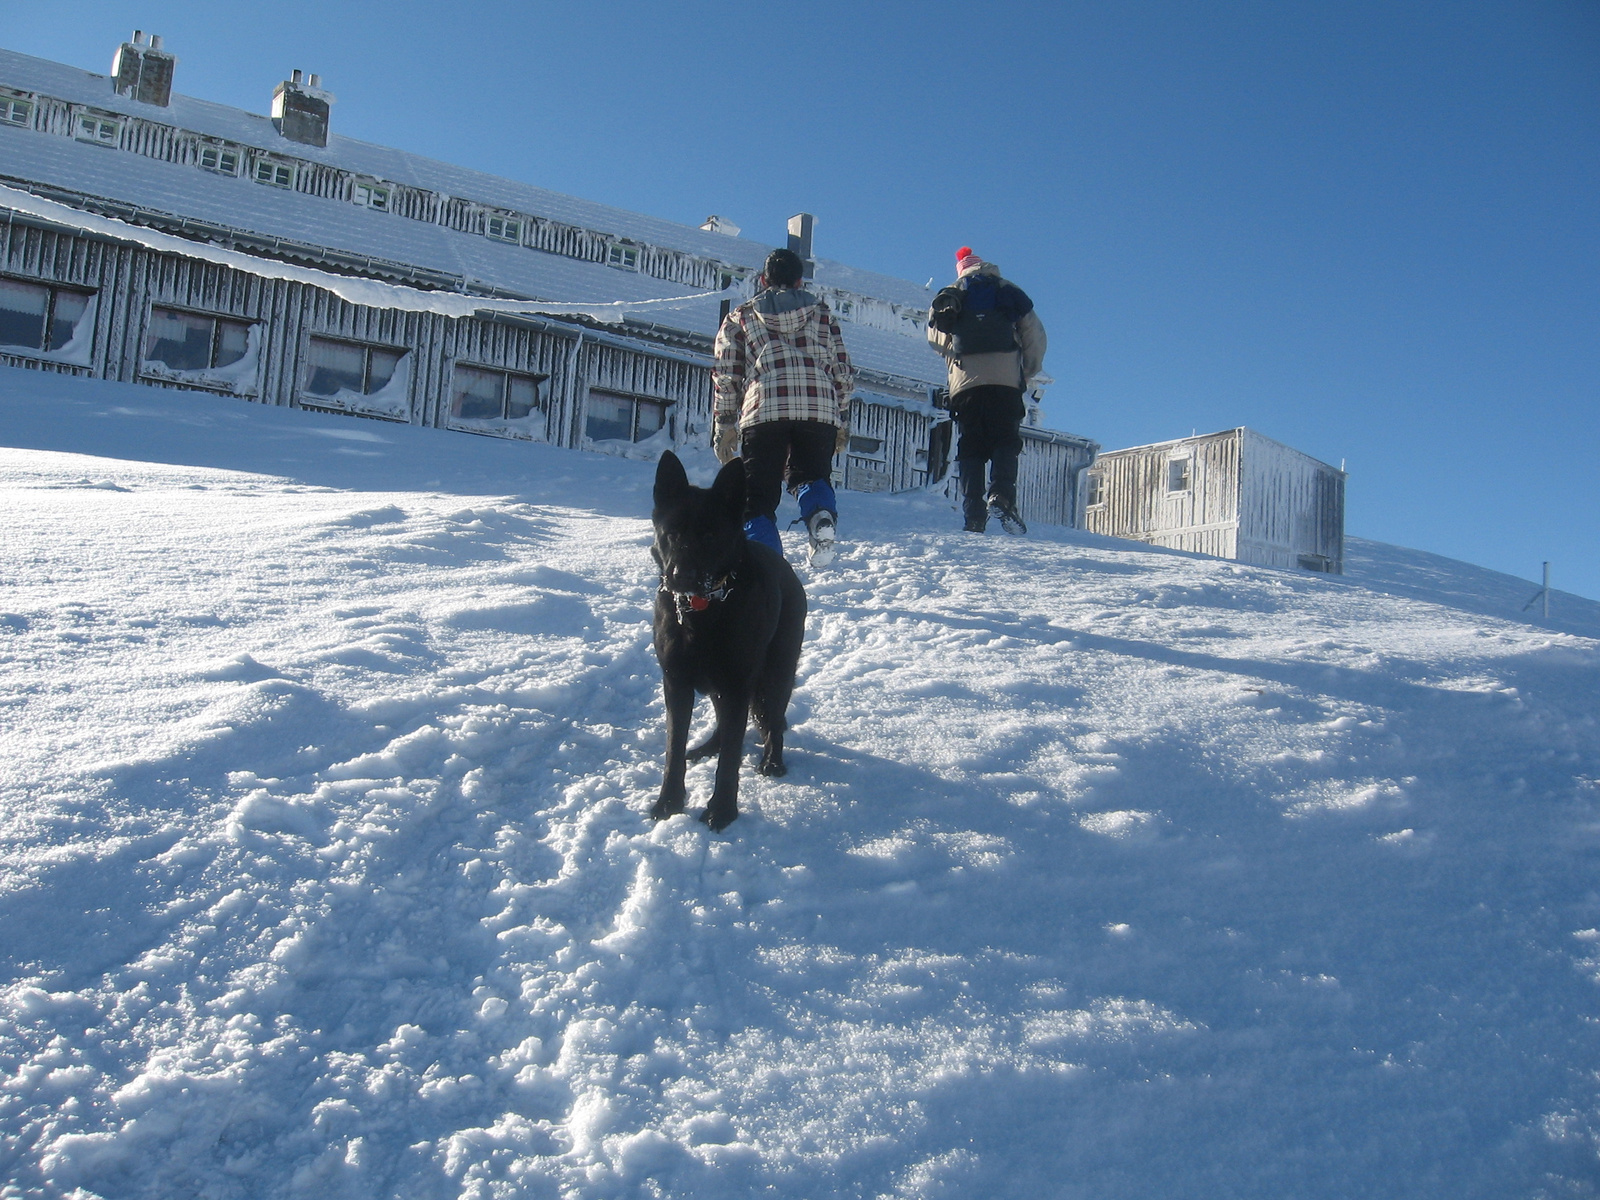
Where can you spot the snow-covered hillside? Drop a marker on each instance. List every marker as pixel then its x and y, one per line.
pixel 326 747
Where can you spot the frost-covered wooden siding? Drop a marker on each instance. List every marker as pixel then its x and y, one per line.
pixel 900 461
pixel 1233 494
pixel 1048 473
pixel 129 281
pixel 1291 507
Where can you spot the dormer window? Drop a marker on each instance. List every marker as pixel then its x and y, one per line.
pixel 14 111
pixel 99 130
pixel 220 160
pixel 503 229
pixel 372 195
pixel 274 173
pixel 626 257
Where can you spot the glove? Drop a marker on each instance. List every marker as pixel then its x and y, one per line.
pixel 841 439
pixel 727 441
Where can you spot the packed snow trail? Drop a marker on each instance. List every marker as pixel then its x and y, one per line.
pixel 327 747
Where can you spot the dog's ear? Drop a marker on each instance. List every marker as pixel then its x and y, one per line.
pixel 672 482
pixel 728 489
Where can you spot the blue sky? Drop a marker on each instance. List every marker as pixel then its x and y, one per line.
pixel 1369 230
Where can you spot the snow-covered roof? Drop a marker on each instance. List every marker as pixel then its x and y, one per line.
pixel 241 203
pixel 1240 431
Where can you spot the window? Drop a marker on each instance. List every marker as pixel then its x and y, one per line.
pixel 335 367
pixel 372 195
pixel 194 341
pixel 277 174
pixel 99 130
pixel 623 418
pixel 504 229
pixel 15 112
pixel 1097 488
pixel 626 257
pixel 36 316
pixel 215 158
pixel 477 394
pixel 1178 475
pixel 866 447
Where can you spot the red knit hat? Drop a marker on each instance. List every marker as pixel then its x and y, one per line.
pixel 965 257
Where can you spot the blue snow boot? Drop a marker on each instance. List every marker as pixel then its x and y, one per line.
pixel 819 511
pixel 761 529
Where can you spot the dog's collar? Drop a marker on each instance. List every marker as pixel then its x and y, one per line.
pixel 693 602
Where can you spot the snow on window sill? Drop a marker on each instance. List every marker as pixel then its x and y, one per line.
pixel 524 429
pixel 211 381
pixel 648 450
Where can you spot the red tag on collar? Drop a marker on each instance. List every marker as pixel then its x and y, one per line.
pixel 699 603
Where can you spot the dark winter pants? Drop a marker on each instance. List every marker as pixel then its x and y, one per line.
pixel 796 453
pixel 989 419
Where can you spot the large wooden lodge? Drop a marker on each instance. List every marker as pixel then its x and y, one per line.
pixel 150 237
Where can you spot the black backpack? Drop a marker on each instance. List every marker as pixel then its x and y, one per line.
pixel 980 314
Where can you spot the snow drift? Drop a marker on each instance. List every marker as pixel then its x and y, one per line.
pixel 1100 870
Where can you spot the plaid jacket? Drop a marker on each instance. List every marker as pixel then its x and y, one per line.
pixel 782 365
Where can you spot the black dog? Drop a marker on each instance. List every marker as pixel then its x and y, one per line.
pixel 729 620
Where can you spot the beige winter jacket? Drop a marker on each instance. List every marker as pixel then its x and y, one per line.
pixel 1007 368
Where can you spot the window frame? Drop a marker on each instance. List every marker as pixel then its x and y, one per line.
pixel 81 129
pixel 509 231
pixel 217 321
pixel 1175 463
pixel 379 196
pixel 274 166
pixel 17 111
pixel 541 405
pixel 367 348
pixel 222 153
pixel 53 291
pixel 878 454
pixel 1094 489
pixel 635 401
pixel 623 256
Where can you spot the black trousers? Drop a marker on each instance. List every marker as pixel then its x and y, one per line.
pixel 784 452
pixel 989 420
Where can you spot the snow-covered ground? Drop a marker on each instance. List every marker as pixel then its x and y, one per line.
pixel 325 750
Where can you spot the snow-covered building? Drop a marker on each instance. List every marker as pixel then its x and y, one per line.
pixel 150 237
pixel 1234 494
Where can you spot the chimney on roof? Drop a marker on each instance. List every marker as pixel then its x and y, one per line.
pixel 800 238
pixel 300 110
pixel 143 71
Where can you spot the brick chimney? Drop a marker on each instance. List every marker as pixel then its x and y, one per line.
pixel 143 70
pixel 300 110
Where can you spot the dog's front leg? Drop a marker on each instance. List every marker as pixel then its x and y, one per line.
pixel 680 708
pixel 733 718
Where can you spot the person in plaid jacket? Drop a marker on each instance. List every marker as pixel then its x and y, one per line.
pixel 783 382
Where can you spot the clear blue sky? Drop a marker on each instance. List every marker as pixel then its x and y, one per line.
pixel 1369 230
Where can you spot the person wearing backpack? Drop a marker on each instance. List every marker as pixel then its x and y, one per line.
pixel 783 381
pixel 993 343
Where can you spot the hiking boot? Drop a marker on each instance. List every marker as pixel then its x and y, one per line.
pixel 976 524
pixel 820 531
pixel 1006 513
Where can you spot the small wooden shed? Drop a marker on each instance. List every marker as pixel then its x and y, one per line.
pixel 1234 494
